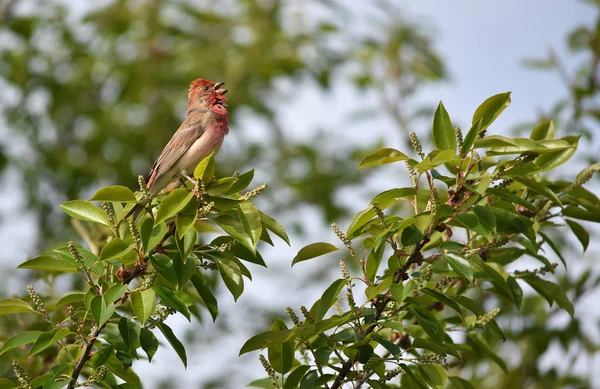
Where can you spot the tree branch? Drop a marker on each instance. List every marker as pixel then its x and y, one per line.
pixel 84 358
pixel 399 275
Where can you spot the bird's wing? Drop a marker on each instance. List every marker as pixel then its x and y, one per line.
pixel 191 129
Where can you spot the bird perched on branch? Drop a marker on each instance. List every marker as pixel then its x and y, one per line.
pixel 201 133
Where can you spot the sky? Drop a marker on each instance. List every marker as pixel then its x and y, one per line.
pixel 483 44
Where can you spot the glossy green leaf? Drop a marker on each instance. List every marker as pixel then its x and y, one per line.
pixel 544 130
pixel 143 304
pixel 164 267
pixel 471 136
pixel 434 375
pixel 101 309
pixel 480 346
pixel 359 220
pixel 8 306
pixel 174 342
pixel 250 219
pixel 185 219
pixel 205 170
pixel 116 368
pixel 116 193
pixel 489 110
pixel 47 339
pixel 5 383
pixel 236 230
pixel 149 343
pixel 539 188
pixel 439 348
pixel 19 340
pixel 281 355
pixel 84 210
pixel 551 292
pixel 328 298
pixel 581 214
pixel 313 250
pixel 292 380
pixel 102 356
pixel 381 157
pixel 175 201
pixel 443 132
pixel 516 290
pixel 242 183
pixel 115 250
pixel 130 332
pixel 220 186
pixel 151 235
pixel 231 275
pixel 581 233
pixel 461 266
pixel 170 299
pixel 274 226
pixel 48 264
pixel 460 383
pixel 207 296
pixel 506 195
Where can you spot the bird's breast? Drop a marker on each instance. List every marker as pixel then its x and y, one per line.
pixel 209 142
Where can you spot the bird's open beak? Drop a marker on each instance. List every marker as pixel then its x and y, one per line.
pixel 218 89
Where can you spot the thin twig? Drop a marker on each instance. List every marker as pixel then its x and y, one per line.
pixel 87 354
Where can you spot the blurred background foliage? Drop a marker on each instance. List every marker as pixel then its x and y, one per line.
pixel 91 92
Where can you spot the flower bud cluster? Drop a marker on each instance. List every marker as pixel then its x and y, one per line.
pixel 414 141
pixel 254 192
pixel 22 377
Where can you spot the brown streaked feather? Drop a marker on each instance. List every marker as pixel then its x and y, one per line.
pixel 191 129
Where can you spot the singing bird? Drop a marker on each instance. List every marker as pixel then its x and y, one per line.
pixel 201 133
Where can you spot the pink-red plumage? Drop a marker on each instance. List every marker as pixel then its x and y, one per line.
pixel 201 133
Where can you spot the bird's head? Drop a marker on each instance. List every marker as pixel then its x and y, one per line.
pixel 207 93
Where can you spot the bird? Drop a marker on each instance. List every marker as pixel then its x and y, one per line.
pixel 201 133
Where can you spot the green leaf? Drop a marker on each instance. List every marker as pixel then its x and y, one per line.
pixel 309 380
pixel 115 292
pixel 102 356
pixel 20 340
pixel 551 292
pixel 491 275
pixel 581 214
pixel 257 342
pixel 170 299
pixel 151 235
pixel 443 132
pixel 516 290
pixel 47 339
pixel 471 136
pixel 5 383
pixel 460 383
pixel 207 296
pixel 281 355
pixel 313 250
pixel 328 298
pixel 116 368
pixel 429 323
pixel 70 299
pixel 148 342
pixel 101 310
pixel 461 266
pixel 242 183
pixel 544 130
pixel 292 380
pixel 231 275
pixel 436 347
pixel 184 221
pixel 8 306
pixel 175 201
pixel 553 159
pixel 130 332
pixel 434 375
pixel 143 304
pixel 359 220
pixel 220 186
pixel 250 219
pixel 580 232
pixel 381 157
pixel 205 170
pixel 49 264
pixel 383 286
pixel 274 226
pixel 164 267
pixel 235 229
pixel 115 193
pixel 115 250
pixel 480 347
pixel 489 110
pixel 84 210
pixel 506 195
pixel 539 188
pixel 174 342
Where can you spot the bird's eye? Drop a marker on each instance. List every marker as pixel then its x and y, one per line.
pixel 206 88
